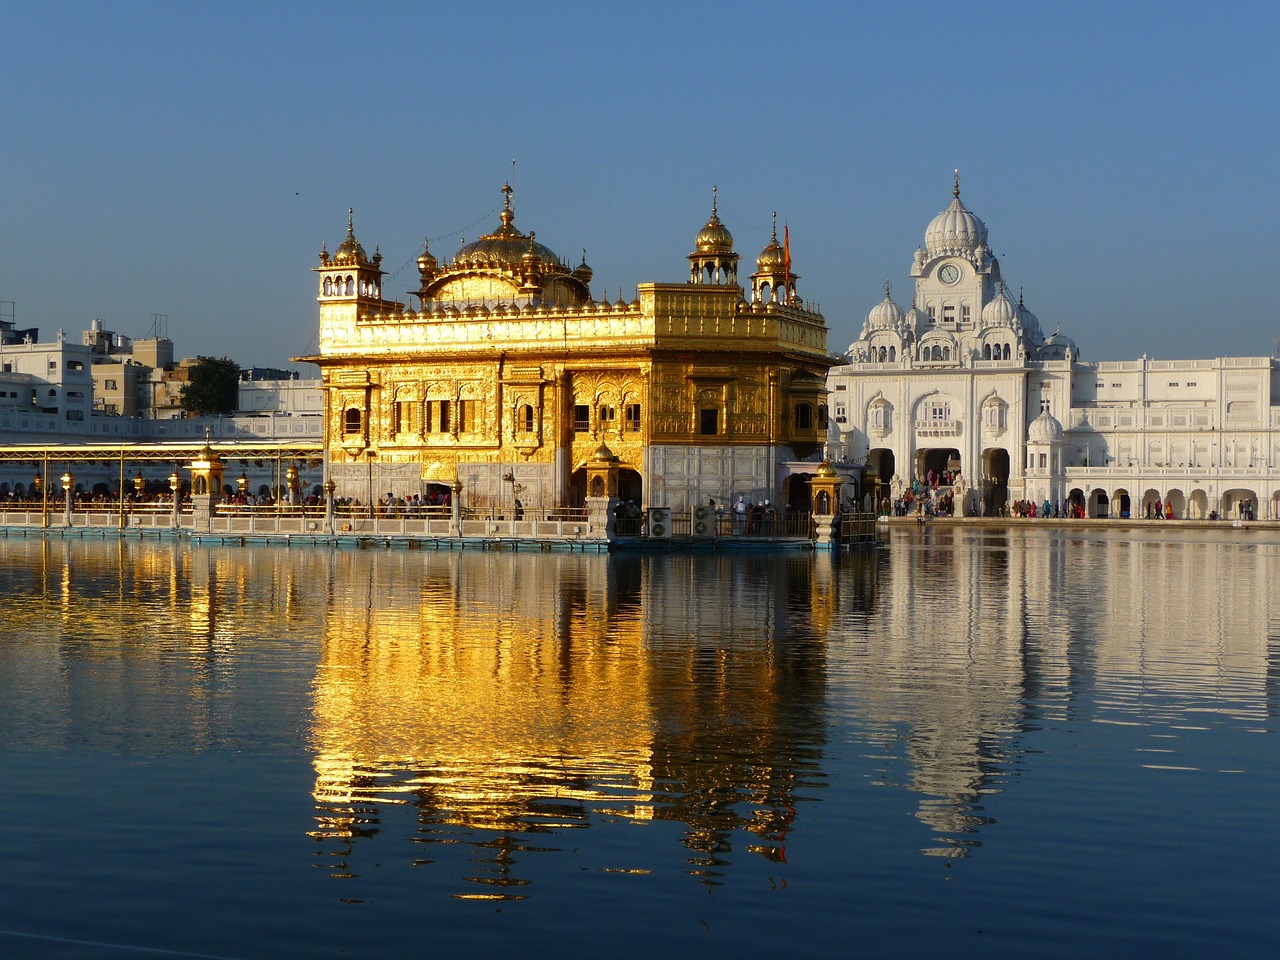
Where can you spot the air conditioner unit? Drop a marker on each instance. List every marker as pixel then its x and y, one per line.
pixel 704 521
pixel 658 523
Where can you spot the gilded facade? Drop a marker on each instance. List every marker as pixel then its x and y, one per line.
pixel 509 375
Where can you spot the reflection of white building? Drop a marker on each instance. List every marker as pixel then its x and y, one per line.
pixel 966 379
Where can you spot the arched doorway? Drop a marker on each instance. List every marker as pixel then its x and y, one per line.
pixel 797 496
pixel 1240 505
pixel 1099 504
pixel 1076 503
pixel 995 480
pixel 881 460
pixel 1149 499
pixel 630 486
pixel 1176 499
pixel 937 466
pixel 1197 505
pixel 576 495
pixel 1120 503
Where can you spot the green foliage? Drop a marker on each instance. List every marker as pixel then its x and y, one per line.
pixel 214 387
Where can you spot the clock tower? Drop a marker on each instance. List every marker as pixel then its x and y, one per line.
pixel 955 273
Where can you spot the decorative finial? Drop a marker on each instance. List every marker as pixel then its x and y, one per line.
pixel 507 191
pixel 584 254
pixel 351 220
pixel 1019 296
pixel 775 226
pixel 955 192
pixel 713 201
pixel 887 287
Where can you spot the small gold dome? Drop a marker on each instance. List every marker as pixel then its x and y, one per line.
pixel 427 263
pixel 350 251
pixel 714 237
pixel 825 469
pixel 772 259
pixel 604 455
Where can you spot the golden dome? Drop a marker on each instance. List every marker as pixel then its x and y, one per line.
pixel 772 259
pixel 604 455
pixel 715 236
pixel 505 247
pixel 825 469
pixel 350 251
pixel 427 263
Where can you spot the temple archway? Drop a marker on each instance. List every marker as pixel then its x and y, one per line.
pixel 630 486
pixel 1197 505
pixel 1120 503
pixel 995 479
pixel 937 463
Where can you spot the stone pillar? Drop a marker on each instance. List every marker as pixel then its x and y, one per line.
pixel 455 509
pixel 329 488
pixel 600 520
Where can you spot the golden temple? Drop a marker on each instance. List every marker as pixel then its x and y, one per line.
pixel 510 376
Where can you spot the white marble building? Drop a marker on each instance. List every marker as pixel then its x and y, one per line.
pixel 964 380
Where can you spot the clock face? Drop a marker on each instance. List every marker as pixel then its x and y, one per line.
pixel 950 273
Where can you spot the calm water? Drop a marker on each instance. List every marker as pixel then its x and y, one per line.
pixel 1022 743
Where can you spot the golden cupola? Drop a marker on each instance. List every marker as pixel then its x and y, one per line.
pixel 713 260
pixel 349 252
pixel 350 273
pixel 773 281
pixel 502 266
pixel 428 266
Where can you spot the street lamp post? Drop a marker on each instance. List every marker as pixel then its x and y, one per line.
pixel 175 485
pixel 329 488
pixel 68 478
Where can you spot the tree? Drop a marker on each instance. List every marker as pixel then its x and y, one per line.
pixel 214 387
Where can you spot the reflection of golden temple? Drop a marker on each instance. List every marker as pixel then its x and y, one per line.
pixel 510 370
pixel 529 701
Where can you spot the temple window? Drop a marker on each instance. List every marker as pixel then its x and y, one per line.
pixel 437 420
pixel 526 415
pixel 352 420
pixel 466 416
pixel 581 418
pixel 405 417
pixel 632 412
pixel 709 422
pixel 804 416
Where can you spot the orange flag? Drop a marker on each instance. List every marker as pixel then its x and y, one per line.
pixel 786 250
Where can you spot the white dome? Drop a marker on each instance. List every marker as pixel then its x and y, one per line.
pixel 955 232
pixel 1045 429
pixel 885 315
pixel 1030 322
pixel 1000 312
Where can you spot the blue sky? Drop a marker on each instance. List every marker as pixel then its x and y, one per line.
pixel 189 159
